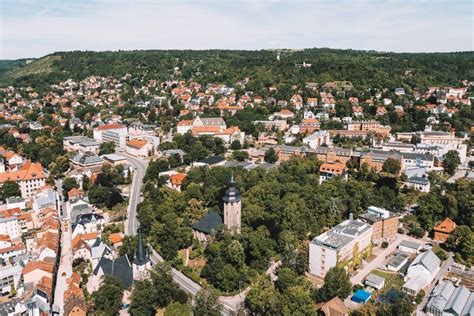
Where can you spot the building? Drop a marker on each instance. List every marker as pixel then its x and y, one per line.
pixel 10 227
pixel 279 125
pixel 376 158
pixel 421 184
pixel 87 160
pixel 116 133
pixel 232 208
pixel 209 122
pixel 410 247
pixel 397 262
pixel 208 225
pixel 9 278
pixel 141 262
pixel 421 272
pixel 369 126
pixel 328 171
pixel 317 139
pixel 384 224
pixel 334 307
pixel 449 300
pixel 338 246
pixel 333 154
pixel 29 177
pixel 81 144
pixel 375 281
pixel 139 148
pixel 443 229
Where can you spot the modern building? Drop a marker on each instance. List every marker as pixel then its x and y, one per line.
pixel 317 139
pixel 421 272
pixel 81 144
pixel 116 133
pixel 86 160
pixel 384 224
pixel 443 230
pixel 339 246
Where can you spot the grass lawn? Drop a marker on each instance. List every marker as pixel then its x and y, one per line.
pixel 392 279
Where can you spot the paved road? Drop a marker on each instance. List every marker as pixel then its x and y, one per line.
pixel 140 165
pixel 442 272
pixel 65 263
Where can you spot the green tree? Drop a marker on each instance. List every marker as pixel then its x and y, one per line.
pixel 391 166
pixel 261 298
pixel 235 145
pixel 68 184
pixel 207 304
pixel 9 189
pixel 296 300
pixel 336 283
pixel 178 309
pixel 107 148
pixel 461 241
pixel 240 155
pixel 108 299
pixel 270 156
pixel 451 162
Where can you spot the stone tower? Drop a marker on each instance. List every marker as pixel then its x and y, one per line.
pixel 141 262
pixel 232 208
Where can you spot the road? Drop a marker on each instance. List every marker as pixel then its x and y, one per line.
pixel 381 257
pixel 140 165
pixel 442 272
pixel 65 263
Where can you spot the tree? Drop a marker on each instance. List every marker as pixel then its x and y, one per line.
pixel 451 162
pixel 207 304
pixel 461 241
pixel 391 166
pixel 336 283
pixel 107 148
pixel 240 155
pixel 143 299
pixel 9 189
pixel 296 300
pixel 68 184
pixel 108 299
pixel 178 309
pixel 261 298
pixel 270 156
pixel 235 145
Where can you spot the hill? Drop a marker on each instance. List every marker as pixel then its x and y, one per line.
pixel 364 69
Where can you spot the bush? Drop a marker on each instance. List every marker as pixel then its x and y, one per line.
pixel 384 244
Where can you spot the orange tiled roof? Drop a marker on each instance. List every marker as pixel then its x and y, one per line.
pixel 45 265
pixel 177 178
pixel 12 248
pixel 10 212
pixel 29 171
pixel 4 238
pixel 337 168
pixel 110 126
pixel 115 238
pixel 75 192
pixel 137 143
pixel 185 123
pixel 84 237
pixel 446 226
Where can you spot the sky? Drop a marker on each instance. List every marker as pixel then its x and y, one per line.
pixel 34 28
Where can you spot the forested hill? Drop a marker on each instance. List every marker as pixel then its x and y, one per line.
pixel 363 68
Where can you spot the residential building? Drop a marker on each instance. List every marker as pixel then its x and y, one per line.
pixel 139 148
pixel 9 277
pixel 376 158
pixel 328 171
pixel 444 229
pixel 384 224
pixel 29 177
pixel 334 307
pixel 317 139
pixel 338 246
pixel 10 227
pixel 421 272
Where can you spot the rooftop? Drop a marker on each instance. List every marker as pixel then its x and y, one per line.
pixel 341 234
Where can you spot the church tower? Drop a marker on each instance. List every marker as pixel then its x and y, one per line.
pixel 232 207
pixel 141 262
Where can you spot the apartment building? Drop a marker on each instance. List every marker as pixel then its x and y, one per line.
pixel 339 245
pixel 81 144
pixel 384 224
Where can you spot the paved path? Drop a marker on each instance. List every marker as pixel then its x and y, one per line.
pixel 382 255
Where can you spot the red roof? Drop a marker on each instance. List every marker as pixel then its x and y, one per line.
pixel 110 126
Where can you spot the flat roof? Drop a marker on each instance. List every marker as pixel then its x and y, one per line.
pixel 398 259
pixel 410 244
pixel 114 157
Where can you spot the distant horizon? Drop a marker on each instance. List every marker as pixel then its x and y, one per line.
pixel 236 49
pixel 33 29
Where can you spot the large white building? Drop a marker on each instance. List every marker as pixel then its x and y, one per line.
pixel 317 139
pixel 338 245
pixel 29 177
pixel 9 276
pixel 421 272
pixel 10 227
pixel 116 133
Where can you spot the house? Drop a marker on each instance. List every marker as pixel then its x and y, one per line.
pixel 375 281
pixel 87 161
pixel 450 300
pixel 384 224
pixel 208 225
pixel 334 307
pixel 397 262
pixel 443 229
pixel 328 171
pixel 421 272
pixel 176 180
pixel 317 139
pixel 212 161
pixel 421 184
pixel 30 176
pixel 338 245
pixel 284 114
pixel 34 271
pixel 116 239
pixel 9 277
pixel 139 148
pixel 410 247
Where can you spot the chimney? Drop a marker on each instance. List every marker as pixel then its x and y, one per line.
pixel 351 217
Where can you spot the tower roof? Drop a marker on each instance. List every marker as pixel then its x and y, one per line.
pixel 232 194
pixel 141 256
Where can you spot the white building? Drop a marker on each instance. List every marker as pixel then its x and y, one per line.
pixel 9 276
pixel 338 245
pixel 81 144
pixel 317 139
pixel 29 177
pixel 116 133
pixel 449 300
pixel 139 148
pixel 421 272
pixel 9 226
